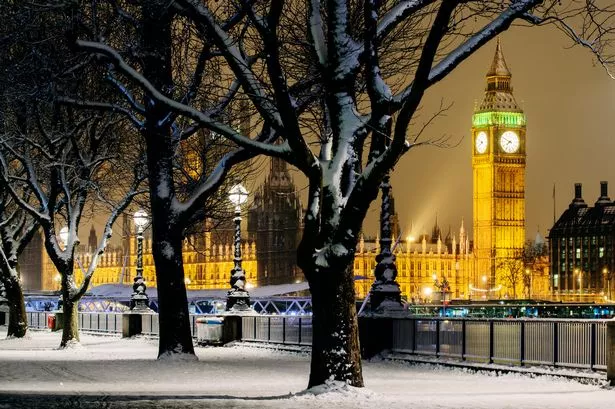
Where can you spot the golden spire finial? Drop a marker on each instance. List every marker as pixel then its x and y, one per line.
pixel 498 66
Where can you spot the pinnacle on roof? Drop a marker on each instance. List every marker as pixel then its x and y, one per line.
pixel 498 66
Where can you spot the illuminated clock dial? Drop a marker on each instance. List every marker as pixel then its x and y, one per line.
pixel 509 141
pixel 481 142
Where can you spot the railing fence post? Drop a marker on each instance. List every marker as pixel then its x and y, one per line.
pixel 269 328
pixel 284 329
pixel 437 337
pixel 610 352
pixel 592 346
pixel 555 344
pixel 522 344
pixel 491 340
pixel 299 337
pixel 414 321
pixel 463 339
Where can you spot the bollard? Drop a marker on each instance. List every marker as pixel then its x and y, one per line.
pixel 610 351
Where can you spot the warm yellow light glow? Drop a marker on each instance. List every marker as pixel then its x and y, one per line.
pixel 484 279
pixel 427 291
pixel 187 281
pixel 410 239
pixel 249 286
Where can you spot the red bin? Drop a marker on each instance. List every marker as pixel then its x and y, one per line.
pixel 51 321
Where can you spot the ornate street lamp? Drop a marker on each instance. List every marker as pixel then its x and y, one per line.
pixel 64 236
pixel 238 298
pixel 385 293
pixel 139 299
pixel 444 287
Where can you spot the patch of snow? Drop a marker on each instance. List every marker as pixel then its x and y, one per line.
pixel 167 250
pixel 321 259
pixel 244 377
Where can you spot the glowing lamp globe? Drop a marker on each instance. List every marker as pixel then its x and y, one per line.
pixel 238 195
pixel 140 218
pixel 64 235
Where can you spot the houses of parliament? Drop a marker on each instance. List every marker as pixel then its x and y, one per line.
pixel 471 266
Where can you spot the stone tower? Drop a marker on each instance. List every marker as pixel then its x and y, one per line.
pixel 498 169
pixel 274 223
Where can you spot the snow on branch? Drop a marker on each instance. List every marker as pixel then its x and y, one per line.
pixel 397 14
pixel 236 61
pixel 102 106
pixel 467 48
pixel 119 208
pixel 206 120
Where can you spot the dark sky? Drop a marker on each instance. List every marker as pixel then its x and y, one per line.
pixel 569 102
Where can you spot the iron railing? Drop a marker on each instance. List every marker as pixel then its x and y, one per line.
pixel 565 343
pixel 106 322
pixel 549 342
pixel 281 329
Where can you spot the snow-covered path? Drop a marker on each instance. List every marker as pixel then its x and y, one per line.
pixel 111 372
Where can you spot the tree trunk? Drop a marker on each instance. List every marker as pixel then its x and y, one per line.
pixel 173 315
pixel 70 322
pixel 336 354
pixel 18 320
pixel 174 320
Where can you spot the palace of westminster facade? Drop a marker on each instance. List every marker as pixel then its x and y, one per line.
pixel 471 266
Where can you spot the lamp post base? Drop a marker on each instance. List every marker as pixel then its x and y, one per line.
pixel 140 303
pixel 238 300
pixel 385 298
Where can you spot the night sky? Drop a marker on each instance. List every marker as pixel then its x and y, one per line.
pixel 569 102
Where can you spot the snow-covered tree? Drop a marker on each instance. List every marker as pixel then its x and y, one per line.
pixel 54 160
pixel 17 228
pixel 187 163
pixel 63 161
pixel 339 82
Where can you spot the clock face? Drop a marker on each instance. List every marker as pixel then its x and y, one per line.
pixel 509 141
pixel 481 142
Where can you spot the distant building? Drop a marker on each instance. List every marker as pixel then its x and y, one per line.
pixel 31 264
pixel 582 245
pixel 275 225
pixel 418 264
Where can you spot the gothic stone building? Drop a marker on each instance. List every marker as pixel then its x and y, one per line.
pixel 274 224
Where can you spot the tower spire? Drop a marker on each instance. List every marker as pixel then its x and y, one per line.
pixel 498 66
pixel 498 94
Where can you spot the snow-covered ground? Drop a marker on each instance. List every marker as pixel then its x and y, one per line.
pixel 110 372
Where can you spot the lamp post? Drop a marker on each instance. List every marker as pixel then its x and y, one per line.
pixel 139 299
pixel 385 293
pixel 64 236
pixel 444 287
pixel 238 298
pixel 58 278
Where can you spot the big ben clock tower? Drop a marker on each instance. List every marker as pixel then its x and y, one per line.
pixel 498 168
